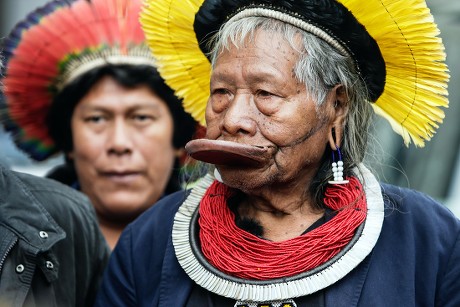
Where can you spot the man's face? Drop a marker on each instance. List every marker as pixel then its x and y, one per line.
pixel 255 99
pixel 122 148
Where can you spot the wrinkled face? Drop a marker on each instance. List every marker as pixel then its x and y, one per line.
pixel 256 99
pixel 123 150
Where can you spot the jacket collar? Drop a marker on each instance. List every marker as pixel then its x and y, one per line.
pixel 347 291
pixel 25 215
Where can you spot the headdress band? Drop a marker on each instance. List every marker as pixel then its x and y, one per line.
pixel 297 22
pixel 137 55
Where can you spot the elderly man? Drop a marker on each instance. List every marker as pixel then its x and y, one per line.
pixel 289 215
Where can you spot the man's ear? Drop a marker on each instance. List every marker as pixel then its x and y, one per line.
pixel 339 115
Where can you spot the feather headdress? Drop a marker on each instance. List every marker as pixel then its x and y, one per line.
pixel 394 44
pixel 51 47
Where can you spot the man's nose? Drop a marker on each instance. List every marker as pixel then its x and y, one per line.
pixel 119 139
pixel 239 116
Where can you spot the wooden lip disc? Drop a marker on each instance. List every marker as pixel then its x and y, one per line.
pixel 228 153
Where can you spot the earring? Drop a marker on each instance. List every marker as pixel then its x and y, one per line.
pixel 337 168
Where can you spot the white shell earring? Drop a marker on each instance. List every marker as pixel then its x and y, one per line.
pixel 337 168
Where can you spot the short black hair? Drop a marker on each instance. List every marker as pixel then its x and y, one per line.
pixel 130 76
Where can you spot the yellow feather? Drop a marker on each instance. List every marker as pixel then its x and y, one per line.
pixel 179 58
pixel 417 76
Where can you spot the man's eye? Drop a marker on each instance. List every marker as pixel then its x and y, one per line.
pixel 143 118
pixel 94 119
pixel 263 93
pixel 220 91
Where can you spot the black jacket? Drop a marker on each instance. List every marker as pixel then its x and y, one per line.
pixel 51 250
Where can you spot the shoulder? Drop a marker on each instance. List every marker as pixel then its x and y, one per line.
pixel 157 221
pixel 71 210
pixel 149 235
pixel 56 223
pixel 58 199
pixel 418 245
pixel 43 184
pixel 144 250
pixel 416 222
pixel 39 203
pixel 418 207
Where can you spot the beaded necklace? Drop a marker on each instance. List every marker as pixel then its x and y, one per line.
pixel 244 255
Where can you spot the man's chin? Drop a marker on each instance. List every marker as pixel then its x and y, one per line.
pixel 244 179
pixel 122 206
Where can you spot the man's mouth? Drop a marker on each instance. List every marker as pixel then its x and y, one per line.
pixel 121 177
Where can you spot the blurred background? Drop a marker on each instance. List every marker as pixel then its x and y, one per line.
pixel 434 169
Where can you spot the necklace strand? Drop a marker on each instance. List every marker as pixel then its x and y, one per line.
pixel 242 254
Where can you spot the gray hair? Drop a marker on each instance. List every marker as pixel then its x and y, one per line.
pixel 320 67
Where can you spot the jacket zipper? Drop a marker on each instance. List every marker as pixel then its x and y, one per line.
pixel 2 261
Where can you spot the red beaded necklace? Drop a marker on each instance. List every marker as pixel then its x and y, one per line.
pixel 242 254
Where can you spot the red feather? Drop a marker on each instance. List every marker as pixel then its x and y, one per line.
pixel 48 38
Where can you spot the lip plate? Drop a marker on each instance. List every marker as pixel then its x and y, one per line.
pixel 228 153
